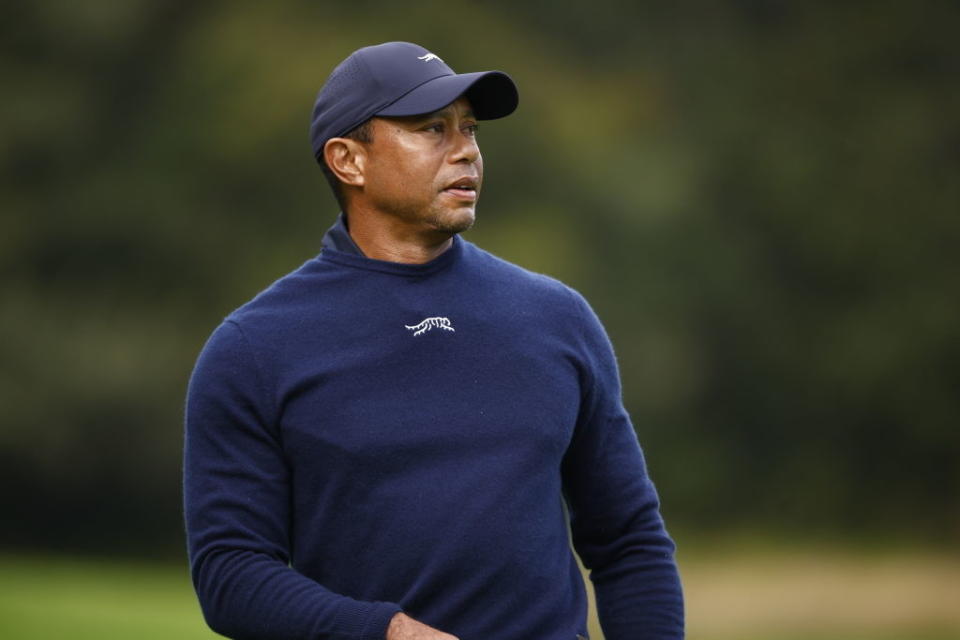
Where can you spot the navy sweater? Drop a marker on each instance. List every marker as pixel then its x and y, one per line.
pixel 366 437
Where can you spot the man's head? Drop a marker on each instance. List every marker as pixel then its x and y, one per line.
pixel 400 102
pixel 422 171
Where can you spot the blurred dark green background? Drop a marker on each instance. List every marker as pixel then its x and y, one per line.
pixel 761 199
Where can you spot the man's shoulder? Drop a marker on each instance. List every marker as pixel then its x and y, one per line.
pixel 514 276
pixel 284 300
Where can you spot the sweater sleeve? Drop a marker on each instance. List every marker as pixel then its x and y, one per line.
pixel 237 512
pixel 615 516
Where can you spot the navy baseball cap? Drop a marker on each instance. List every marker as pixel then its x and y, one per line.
pixel 401 79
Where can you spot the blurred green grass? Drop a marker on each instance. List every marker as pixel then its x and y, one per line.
pixel 52 597
pixel 769 595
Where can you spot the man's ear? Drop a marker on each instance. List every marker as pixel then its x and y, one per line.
pixel 346 158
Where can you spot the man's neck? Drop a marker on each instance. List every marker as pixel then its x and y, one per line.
pixel 383 237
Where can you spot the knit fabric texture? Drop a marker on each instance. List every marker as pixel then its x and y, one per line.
pixel 366 437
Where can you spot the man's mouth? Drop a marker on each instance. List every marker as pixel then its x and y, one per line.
pixel 463 189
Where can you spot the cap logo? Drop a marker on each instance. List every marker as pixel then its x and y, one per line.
pixel 429 57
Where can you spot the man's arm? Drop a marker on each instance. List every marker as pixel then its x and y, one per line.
pixel 403 627
pixel 236 505
pixel 615 517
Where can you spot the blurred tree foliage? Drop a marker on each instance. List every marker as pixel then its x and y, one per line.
pixel 760 198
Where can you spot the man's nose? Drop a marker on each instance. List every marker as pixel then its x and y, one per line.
pixel 467 149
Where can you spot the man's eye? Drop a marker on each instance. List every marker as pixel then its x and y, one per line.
pixel 472 129
pixel 437 127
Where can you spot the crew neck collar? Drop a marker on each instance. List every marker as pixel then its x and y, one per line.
pixel 338 247
pixel 337 238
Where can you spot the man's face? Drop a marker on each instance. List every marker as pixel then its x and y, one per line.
pixel 426 170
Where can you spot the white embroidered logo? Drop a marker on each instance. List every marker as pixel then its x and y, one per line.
pixel 430 323
pixel 429 57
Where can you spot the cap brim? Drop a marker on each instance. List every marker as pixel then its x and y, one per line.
pixel 492 94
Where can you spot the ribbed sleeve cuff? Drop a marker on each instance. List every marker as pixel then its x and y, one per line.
pixel 365 620
pixel 379 620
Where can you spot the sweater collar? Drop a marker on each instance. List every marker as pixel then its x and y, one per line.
pixel 338 247
pixel 337 238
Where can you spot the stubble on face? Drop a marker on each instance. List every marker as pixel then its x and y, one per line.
pixel 451 222
pixel 415 159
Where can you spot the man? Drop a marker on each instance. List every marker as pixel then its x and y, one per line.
pixel 387 442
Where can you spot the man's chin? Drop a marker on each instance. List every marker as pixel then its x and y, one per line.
pixel 454 222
